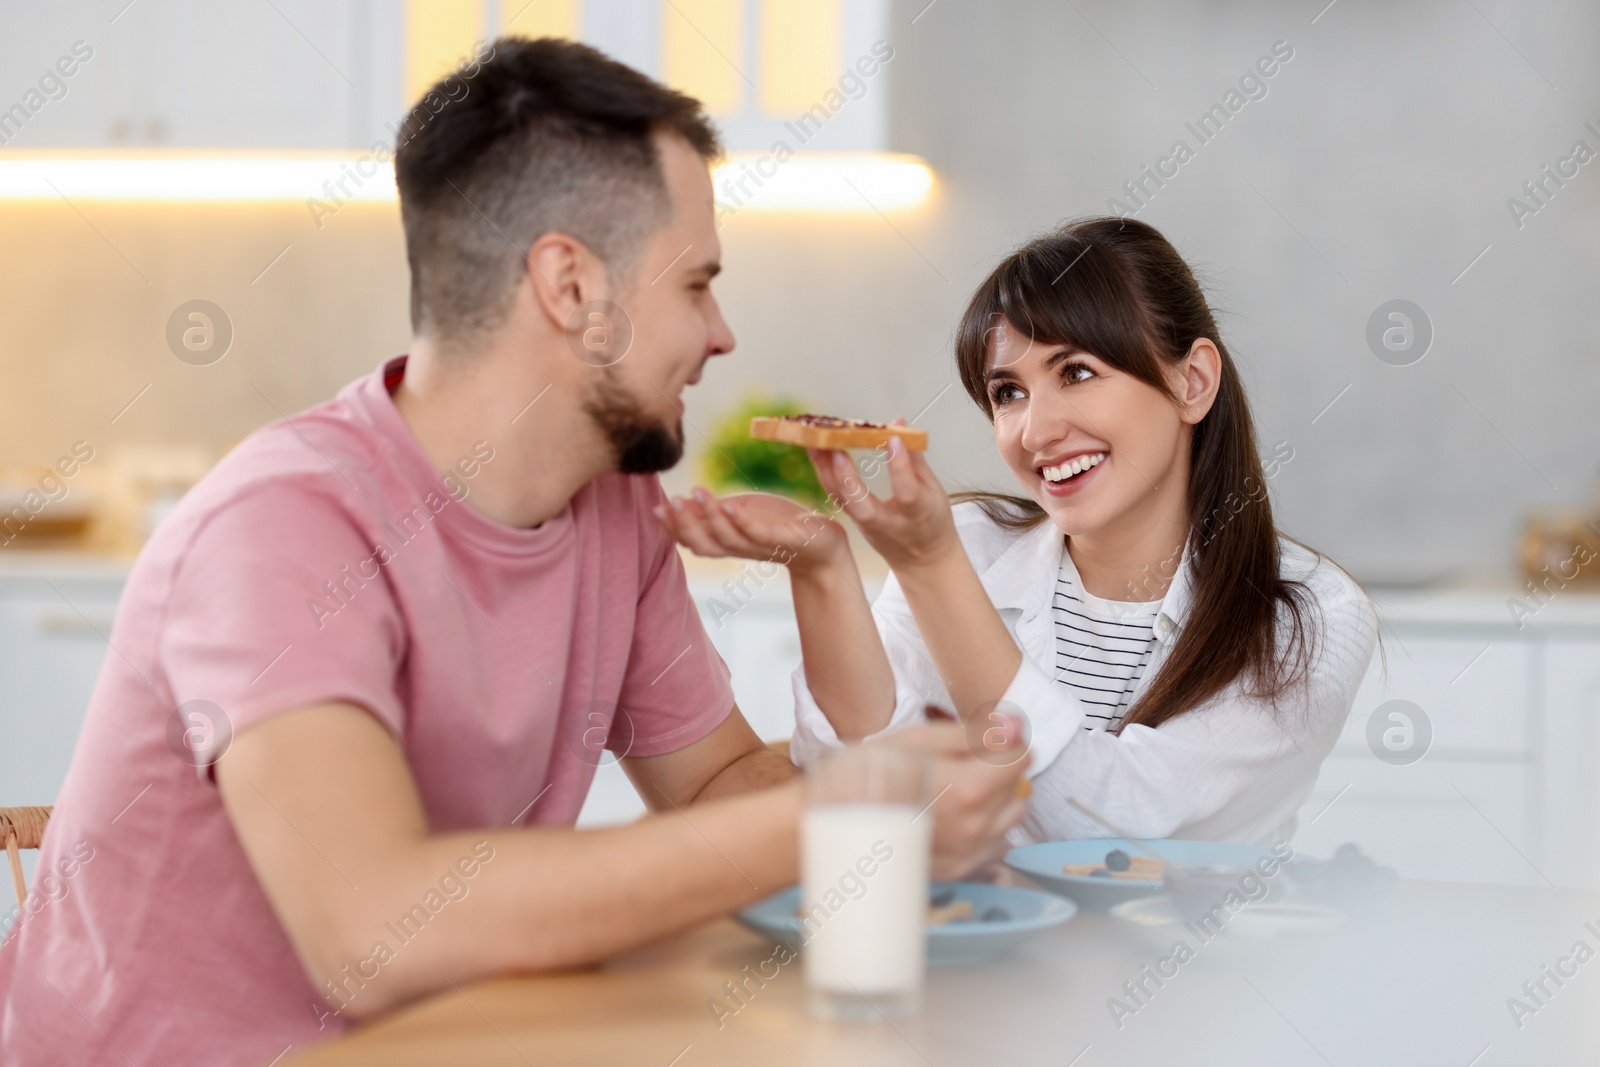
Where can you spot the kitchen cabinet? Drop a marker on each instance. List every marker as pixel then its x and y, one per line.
pixel 1571 843
pixel 1503 791
pixel 330 74
pixel 295 74
pixel 54 622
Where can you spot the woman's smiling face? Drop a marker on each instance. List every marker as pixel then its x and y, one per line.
pixel 1099 449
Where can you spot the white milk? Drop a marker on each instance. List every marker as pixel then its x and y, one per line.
pixel 864 896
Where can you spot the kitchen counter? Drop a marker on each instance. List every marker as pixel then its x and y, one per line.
pixel 1500 604
pixel 1485 602
pixel 37 563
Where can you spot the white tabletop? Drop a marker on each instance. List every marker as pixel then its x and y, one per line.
pixel 1423 980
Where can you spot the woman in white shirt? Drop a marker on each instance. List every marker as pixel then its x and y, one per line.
pixel 1179 667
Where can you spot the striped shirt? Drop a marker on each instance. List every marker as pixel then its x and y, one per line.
pixel 1102 648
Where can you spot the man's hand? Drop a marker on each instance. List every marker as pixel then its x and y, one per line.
pixel 974 800
pixel 757 526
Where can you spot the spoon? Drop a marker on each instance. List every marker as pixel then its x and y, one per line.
pixel 1127 837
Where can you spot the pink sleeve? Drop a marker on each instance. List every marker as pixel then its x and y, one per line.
pixel 677 688
pixel 242 629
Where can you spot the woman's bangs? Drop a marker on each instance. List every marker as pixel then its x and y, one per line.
pixel 1067 291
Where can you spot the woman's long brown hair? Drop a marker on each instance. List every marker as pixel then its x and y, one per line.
pixel 1117 289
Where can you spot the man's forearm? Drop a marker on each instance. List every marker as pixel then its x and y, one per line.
pixel 551 899
pixel 380 910
pixel 761 769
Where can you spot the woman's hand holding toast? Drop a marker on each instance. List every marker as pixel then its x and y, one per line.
pixel 908 529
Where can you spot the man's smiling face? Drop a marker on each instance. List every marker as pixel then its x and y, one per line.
pixel 675 324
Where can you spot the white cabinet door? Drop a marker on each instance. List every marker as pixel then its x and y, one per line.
pixel 612 800
pixel 1572 740
pixel 751 622
pixel 52 648
pixel 188 73
pixel 1472 806
pixel 1450 820
pixel 1474 691
pixel 768 651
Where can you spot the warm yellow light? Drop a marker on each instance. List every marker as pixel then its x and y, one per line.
pixel 439 35
pixel 799 53
pixel 539 18
pixel 328 177
pixel 702 51
pixel 821 182
pixel 828 182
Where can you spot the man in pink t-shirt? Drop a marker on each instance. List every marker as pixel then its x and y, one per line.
pixel 361 678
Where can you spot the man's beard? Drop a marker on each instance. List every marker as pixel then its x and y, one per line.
pixel 641 445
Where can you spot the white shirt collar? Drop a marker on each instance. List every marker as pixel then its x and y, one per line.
pixel 1024 576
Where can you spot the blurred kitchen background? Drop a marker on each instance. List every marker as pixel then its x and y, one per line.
pixel 1436 152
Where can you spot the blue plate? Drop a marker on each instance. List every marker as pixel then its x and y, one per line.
pixel 1043 863
pixel 956 942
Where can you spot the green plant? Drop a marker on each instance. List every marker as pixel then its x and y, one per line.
pixel 736 461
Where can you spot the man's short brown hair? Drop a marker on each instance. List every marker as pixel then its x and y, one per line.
pixel 541 136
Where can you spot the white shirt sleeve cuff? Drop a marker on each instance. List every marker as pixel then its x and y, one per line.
pixel 1053 717
pixel 814 735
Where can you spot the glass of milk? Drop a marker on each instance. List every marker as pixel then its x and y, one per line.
pixel 864 845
